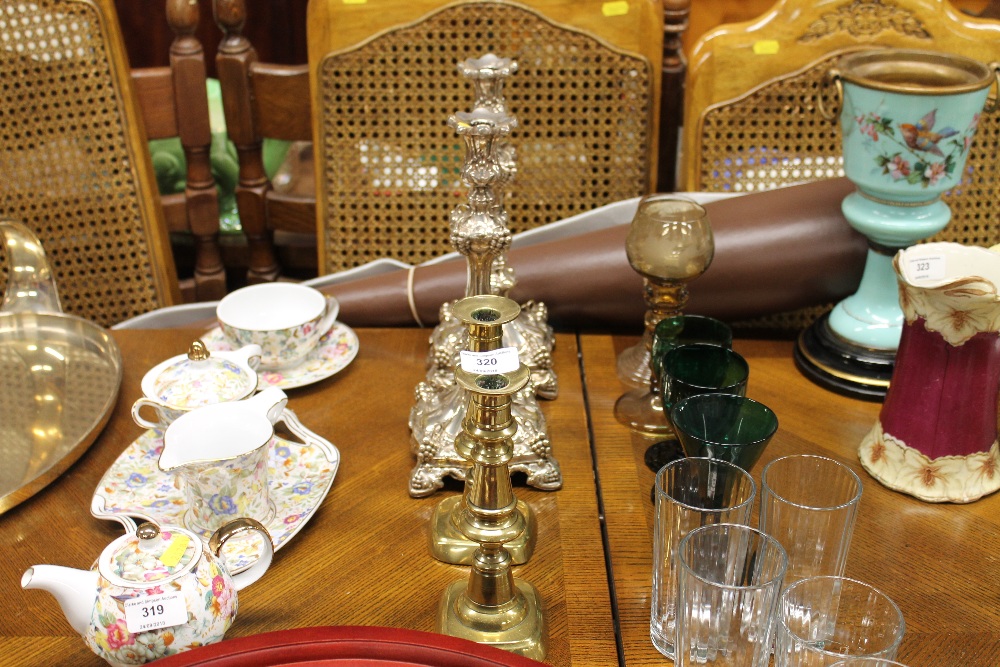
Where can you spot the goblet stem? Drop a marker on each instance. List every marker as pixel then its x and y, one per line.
pixel 665 298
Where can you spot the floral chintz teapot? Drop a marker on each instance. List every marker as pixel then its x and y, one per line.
pixel 153 593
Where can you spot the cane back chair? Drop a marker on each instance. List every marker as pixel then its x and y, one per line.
pixel 752 119
pixel 74 163
pixel 384 83
pixel 174 103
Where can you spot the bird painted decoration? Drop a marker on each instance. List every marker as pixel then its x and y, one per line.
pixel 922 137
pixel 905 152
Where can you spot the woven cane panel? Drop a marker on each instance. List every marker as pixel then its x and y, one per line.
pixel 777 136
pixel 65 169
pixel 392 171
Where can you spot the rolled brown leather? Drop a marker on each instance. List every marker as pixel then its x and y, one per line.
pixel 775 251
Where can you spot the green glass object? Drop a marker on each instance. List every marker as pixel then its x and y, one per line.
pixel 701 368
pixel 681 330
pixel 727 427
pixel 669 333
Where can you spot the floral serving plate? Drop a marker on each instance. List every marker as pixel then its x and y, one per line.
pixel 335 350
pixel 299 477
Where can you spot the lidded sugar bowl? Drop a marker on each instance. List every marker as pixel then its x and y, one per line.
pixel 153 593
pixel 198 378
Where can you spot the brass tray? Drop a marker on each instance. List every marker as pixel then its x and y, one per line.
pixel 59 380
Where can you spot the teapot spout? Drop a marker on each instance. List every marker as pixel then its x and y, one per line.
pixel 74 590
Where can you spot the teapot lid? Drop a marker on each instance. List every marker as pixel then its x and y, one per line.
pixel 199 378
pixel 150 557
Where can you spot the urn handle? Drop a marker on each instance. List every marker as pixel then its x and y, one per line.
pixel 833 77
pixel 992 99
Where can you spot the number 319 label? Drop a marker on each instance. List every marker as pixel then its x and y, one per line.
pixel 503 360
pixel 155 611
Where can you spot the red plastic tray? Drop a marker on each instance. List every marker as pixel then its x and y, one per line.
pixel 340 646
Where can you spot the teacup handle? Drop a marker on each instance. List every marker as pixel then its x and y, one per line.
pixel 238 527
pixel 249 354
pixel 152 403
pixel 993 101
pixel 332 310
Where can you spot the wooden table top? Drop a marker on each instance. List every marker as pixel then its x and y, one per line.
pixel 939 563
pixel 363 558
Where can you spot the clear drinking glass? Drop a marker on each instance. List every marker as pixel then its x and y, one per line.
pixel 809 504
pixel 724 426
pixel 669 244
pixel 690 493
pixel 867 662
pixel 728 584
pixel 822 620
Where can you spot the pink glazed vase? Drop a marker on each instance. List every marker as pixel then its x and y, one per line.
pixel 936 436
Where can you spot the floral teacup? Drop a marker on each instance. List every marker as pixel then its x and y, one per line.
pixel 285 319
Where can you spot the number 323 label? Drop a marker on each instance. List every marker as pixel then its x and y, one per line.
pixel 503 360
pixel 153 612
pixel 931 267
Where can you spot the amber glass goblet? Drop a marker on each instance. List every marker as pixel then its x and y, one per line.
pixel 669 244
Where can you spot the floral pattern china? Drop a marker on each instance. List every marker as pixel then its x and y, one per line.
pixel 299 477
pixel 335 350
pixel 211 611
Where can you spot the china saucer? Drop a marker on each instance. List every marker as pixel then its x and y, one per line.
pixel 336 348
pixel 299 477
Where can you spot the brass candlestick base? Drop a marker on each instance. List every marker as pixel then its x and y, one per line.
pixel 450 545
pixel 460 617
pixel 492 607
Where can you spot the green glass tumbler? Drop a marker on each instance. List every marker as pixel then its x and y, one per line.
pixel 726 427
pixel 700 368
pixel 670 333
pixel 673 332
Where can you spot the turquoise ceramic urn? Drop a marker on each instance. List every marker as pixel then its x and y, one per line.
pixel 908 119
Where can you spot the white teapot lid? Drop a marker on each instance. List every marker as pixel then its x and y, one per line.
pixel 150 557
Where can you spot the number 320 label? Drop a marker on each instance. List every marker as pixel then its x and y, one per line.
pixel 502 360
pixel 153 612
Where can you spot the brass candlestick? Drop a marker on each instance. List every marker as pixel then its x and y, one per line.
pixel 484 317
pixel 478 231
pixel 492 607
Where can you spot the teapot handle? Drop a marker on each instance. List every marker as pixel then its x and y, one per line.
pixel 31 287
pixel 238 527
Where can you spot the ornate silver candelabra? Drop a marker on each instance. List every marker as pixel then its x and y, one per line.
pixel 479 232
pixel 530 333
